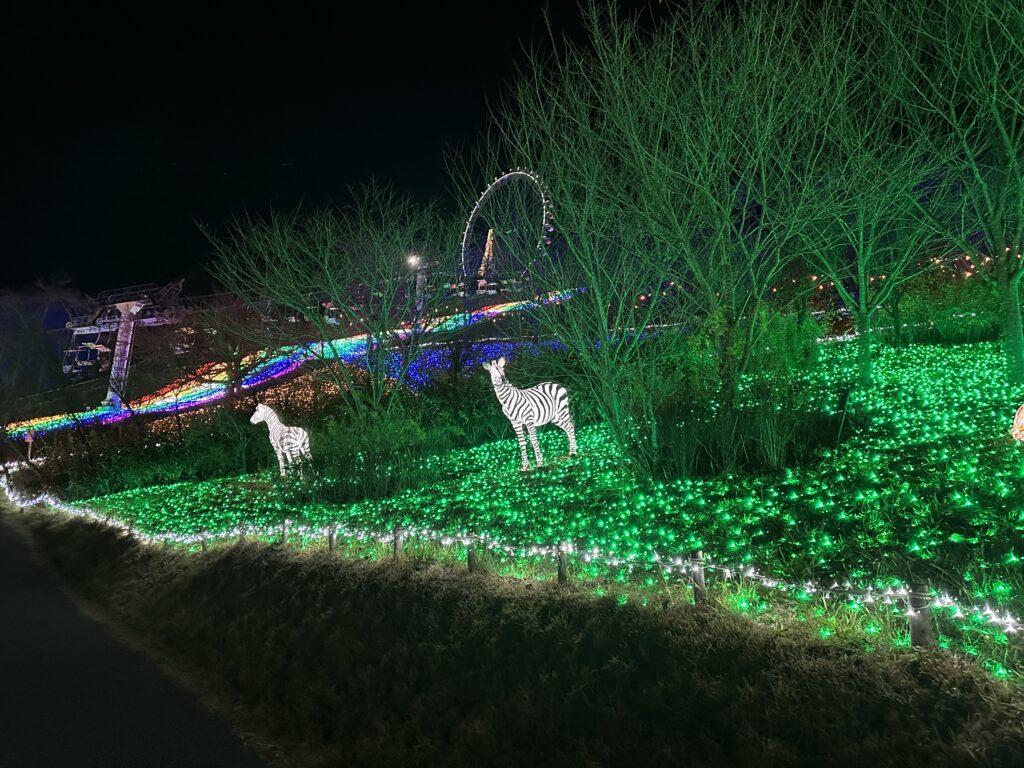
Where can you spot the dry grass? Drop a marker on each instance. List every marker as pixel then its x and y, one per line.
pixel 412 663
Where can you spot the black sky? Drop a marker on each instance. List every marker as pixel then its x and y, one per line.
pixel 123 128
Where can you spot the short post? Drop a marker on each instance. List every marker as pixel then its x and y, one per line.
pixel 471 562
pixel 398 543
pixel 284 531
pixel 700 593
pixel 919 616
pixel 202 540
pixel 332 539
pixel 563 565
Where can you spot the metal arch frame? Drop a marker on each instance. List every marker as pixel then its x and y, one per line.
pixel 547 215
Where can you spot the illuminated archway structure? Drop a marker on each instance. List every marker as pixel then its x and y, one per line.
pixel 545 225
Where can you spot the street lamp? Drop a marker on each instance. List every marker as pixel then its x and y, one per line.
pixel 419 280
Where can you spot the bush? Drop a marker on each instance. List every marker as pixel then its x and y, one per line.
pixel 459 411
pixel 772 426
pixel 109 460
pixel 939 309
pixel 367 454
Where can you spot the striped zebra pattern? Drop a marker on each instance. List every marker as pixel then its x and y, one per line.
pixel 291 444
pixel 1017 432
pixel 530 408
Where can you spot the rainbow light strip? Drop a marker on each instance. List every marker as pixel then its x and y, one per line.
pixel 209 382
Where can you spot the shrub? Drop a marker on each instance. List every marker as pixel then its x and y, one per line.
pixel 773 425
pixel 938 308
pixel 458 411
pixel 367 454
pixel 105 460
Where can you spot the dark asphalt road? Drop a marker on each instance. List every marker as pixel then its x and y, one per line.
pixel 72 696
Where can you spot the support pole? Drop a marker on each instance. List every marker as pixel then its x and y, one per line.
pixel 332 539
pixel 919 616
pixel 700 594
pixel 398 543
pixel 563 566
pixel 122 353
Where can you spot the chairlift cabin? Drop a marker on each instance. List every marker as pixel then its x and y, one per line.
pixel 85 358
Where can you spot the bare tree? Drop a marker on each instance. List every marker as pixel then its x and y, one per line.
pixel 735 121
pixel 367 270
pixel 677 163
pixel 880 189
pixel 31 379
pixel 560 122
pixel 964 60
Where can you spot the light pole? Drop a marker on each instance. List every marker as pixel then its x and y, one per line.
pixel 419 268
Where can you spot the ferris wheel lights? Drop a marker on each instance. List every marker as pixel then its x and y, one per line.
pixel 547 216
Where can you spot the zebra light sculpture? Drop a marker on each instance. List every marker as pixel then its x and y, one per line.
pixel 1017 432
pixel 530 408
pixel 291 444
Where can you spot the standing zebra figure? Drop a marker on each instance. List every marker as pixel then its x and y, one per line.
pixel 531 408
pixel 1018 424
pixel 291 444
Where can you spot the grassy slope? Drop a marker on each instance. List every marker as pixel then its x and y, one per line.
pixel 929 487
pixel 414 663
pixel 934 454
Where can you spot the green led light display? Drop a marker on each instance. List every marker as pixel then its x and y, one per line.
pixel 926 487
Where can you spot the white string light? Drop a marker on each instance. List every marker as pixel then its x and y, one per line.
pixel 675 565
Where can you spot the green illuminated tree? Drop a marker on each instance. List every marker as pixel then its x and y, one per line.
pixel 880 189
pixel 676 160
pixel 558 122
pixel 731 120
pixel 364 269
pixel 964 60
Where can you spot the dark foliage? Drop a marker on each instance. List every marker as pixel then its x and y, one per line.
pixel 223 443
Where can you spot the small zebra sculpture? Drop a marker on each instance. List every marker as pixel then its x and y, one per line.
pixel 532 408
pixel 291 444
pixel 1017 432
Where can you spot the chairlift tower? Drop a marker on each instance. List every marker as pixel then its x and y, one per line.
pixel 119 312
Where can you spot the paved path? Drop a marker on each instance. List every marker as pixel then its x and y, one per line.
pixel 71 696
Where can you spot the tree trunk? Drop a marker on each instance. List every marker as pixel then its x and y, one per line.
pixel 864 361
pixel 1013 332
pixel 612 406
pixel 652 448
pixel 728 375
pixel 897 322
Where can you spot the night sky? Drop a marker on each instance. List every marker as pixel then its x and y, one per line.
pixel 124 129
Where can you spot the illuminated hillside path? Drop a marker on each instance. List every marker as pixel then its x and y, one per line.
pixel 72 695
pixel 208 383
